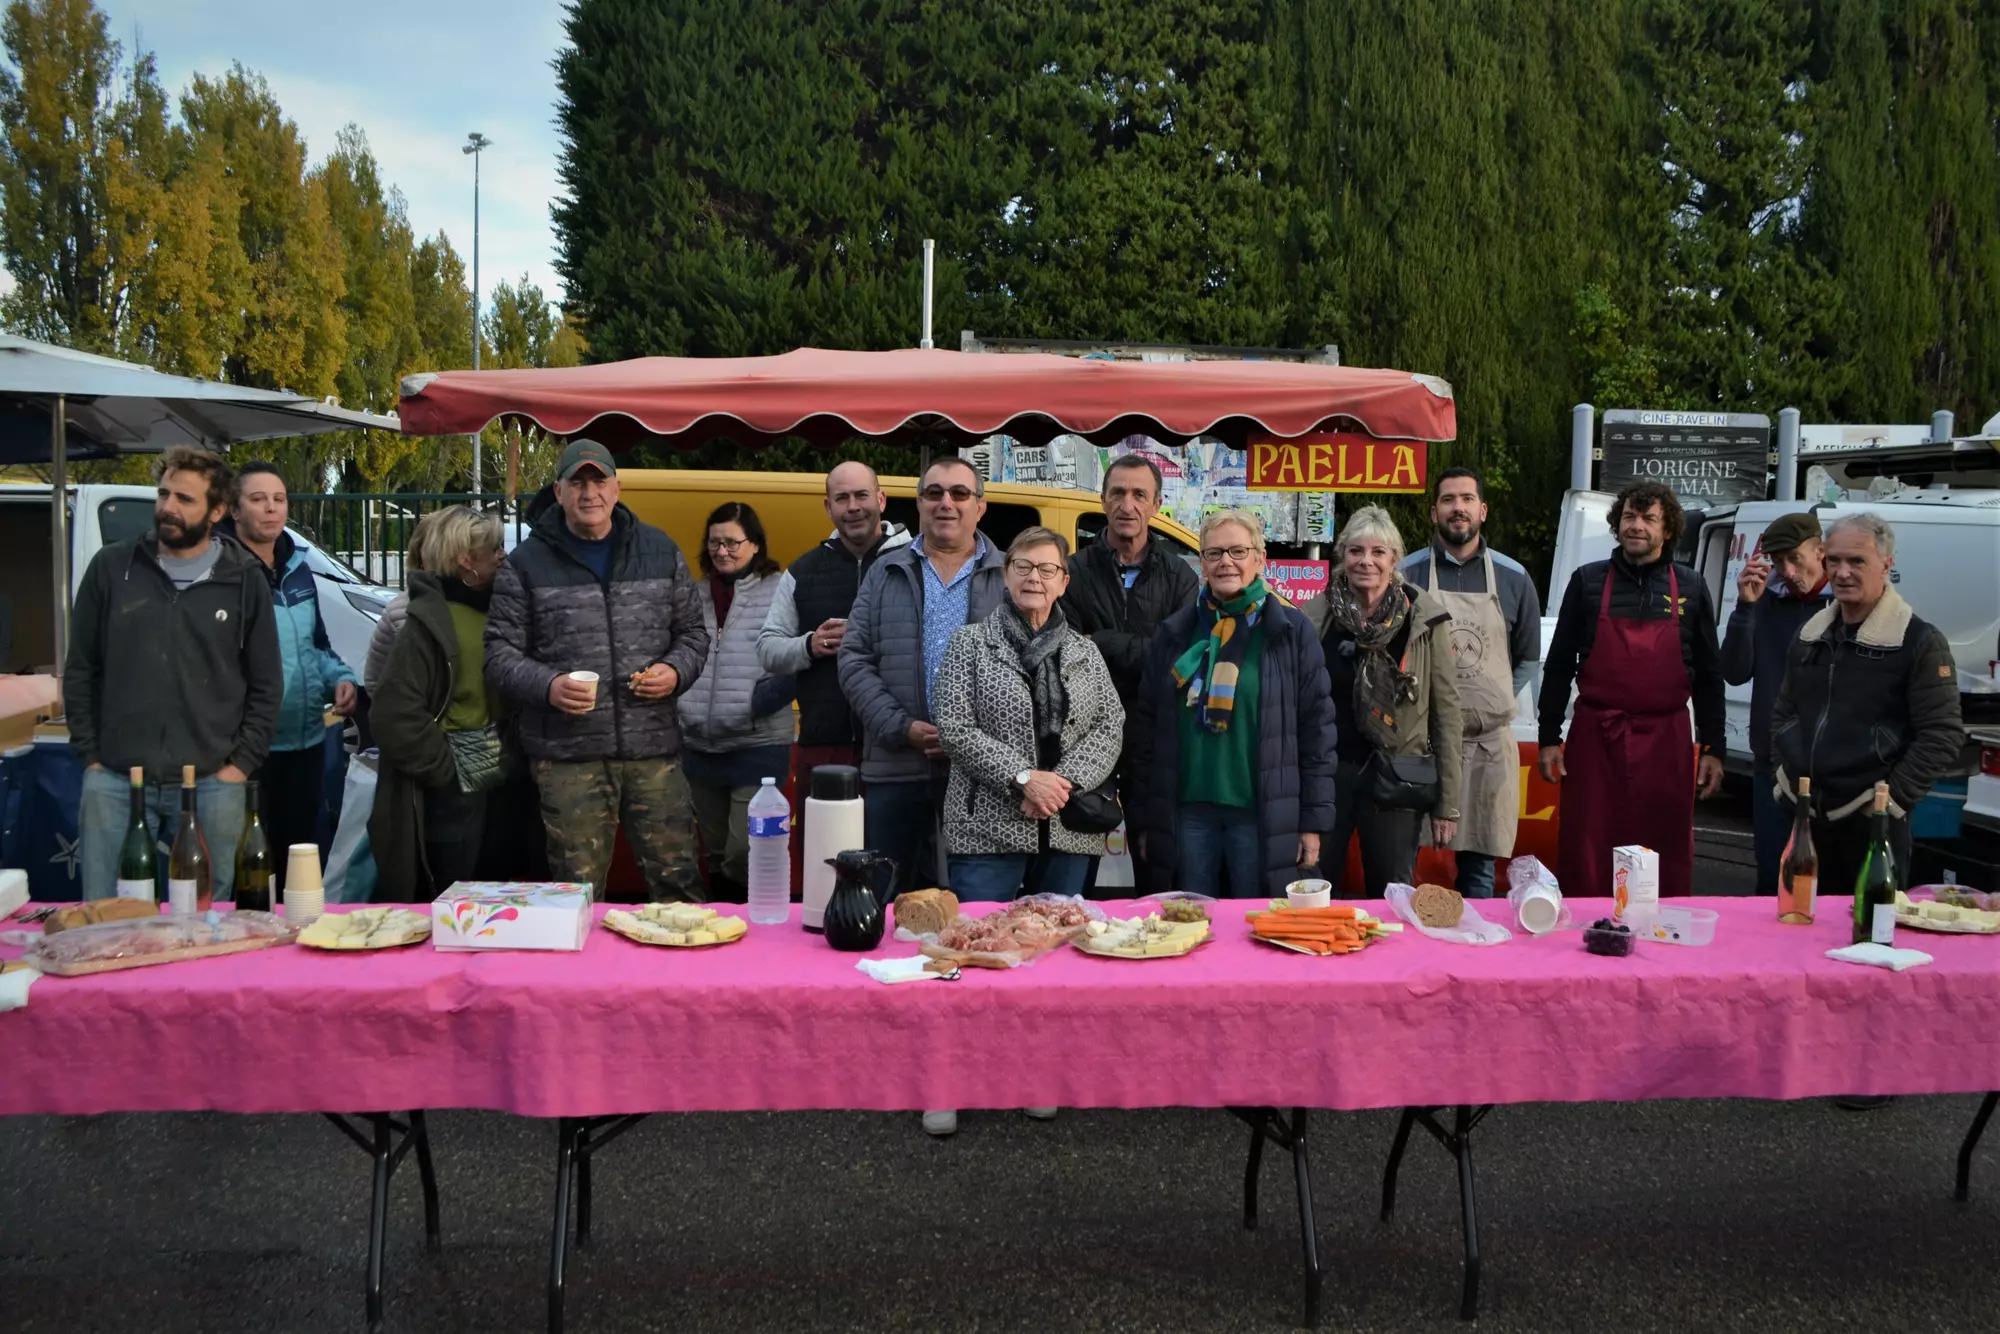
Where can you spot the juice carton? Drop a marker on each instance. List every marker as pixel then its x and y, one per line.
pixel 1635 881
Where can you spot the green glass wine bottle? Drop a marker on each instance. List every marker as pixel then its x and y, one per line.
pixel 138 857
pixel 1875 887
pixel 256 868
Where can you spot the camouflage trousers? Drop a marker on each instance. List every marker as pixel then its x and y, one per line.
pixel 584 802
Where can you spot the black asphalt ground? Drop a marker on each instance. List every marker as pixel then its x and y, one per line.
pixel 1665 1216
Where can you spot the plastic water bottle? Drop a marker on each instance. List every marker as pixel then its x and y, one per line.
pixel 770 855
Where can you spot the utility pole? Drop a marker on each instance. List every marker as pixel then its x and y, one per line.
pixel 475 143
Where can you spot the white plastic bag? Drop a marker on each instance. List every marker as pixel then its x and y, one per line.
pixel 1525 871
pixel 350 865
pixel 1472 929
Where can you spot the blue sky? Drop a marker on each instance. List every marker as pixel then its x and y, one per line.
pixel 416 75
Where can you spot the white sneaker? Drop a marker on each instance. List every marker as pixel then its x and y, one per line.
pixel 940 1124
pixel 1039 1113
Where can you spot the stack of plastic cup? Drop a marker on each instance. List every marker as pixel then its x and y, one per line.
pixel 305 897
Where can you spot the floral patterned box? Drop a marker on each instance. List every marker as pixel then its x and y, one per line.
pixel 500 915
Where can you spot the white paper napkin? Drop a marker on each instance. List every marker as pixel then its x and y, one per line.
pixel 896 970
pixel 1879 956
pixel 14 988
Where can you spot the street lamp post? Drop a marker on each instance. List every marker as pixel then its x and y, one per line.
pixel 475 143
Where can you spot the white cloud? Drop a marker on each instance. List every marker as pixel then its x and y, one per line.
pixel 416 76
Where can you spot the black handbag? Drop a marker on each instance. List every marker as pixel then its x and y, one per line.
pixel 1093 812
pixel 1403 782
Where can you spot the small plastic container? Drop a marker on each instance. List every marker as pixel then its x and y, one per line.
pixel 1310 893
pixel 1677 926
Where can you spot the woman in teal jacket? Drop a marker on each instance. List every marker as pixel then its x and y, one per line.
pixel 291 781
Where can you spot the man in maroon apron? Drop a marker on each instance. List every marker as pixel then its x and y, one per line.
pixel 1636 635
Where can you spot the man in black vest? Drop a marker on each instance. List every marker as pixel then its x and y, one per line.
pixel 1123 585
pixel 808 618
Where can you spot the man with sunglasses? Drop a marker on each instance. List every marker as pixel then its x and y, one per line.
pixel 909 604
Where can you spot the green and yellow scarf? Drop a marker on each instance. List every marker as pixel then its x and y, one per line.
pixel 1208 668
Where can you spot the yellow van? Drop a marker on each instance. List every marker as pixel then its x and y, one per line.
pixel 791 504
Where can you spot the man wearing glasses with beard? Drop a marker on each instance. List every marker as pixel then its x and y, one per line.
pixel 173 660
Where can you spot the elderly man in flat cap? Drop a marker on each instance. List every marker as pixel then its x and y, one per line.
pixel 1779 589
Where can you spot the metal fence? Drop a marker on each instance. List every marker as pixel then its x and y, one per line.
pixel 370 531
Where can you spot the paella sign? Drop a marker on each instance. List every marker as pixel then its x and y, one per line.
pixel 1337 461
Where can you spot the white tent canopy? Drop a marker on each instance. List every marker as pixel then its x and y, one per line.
pixel 116 407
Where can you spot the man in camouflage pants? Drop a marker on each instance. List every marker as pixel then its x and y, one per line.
pixel 592 589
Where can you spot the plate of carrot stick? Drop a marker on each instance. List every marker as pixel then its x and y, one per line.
pixel 1338 928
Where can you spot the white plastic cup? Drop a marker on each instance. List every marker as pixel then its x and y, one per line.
pixel 1540 909
pixel 589 679
pixel 1309 893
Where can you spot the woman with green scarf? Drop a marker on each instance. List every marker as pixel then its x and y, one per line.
pixel 1230 738
pixel 1388 653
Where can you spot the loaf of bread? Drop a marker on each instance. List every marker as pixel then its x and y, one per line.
pixel 925 912
pixel 99 910
pixel 1437 907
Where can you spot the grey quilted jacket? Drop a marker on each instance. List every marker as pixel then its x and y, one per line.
pixel 550 615
pixel 715 714
pixel 986 719
pixel 882 656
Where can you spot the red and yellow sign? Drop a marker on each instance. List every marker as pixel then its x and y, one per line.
pixel 1337 461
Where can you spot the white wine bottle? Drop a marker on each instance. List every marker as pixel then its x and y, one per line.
pixel 138 862
pixel 189 875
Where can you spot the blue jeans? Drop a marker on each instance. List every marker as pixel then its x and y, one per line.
pixel 1771 827
pixel 998 876
pixel 1211 838
pixel 900 820
pixel 107 810
pixel 1475 875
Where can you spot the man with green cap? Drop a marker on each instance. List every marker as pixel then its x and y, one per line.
pixel 1769 612
pixel 593 632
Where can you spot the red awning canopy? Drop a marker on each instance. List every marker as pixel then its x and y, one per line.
pixel 954 398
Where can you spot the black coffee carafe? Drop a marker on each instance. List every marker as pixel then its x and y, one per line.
pixel 858 910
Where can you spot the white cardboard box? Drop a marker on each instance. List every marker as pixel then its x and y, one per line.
pixel 500 915
pixel 1635 880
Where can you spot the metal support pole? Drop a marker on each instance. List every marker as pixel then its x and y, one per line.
pixel 1582 420
pixel 475 145
pixel 1941 426
pixel 930 269
pixel 1788 454
pixel 59 522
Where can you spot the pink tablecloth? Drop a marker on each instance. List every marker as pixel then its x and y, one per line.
pixel 781 1021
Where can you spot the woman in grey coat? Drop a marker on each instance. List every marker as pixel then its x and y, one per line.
pixel 1027 713
pixel 736 729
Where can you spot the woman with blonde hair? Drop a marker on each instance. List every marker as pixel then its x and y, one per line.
pixel 1230 736
pixel 1388 654
pixel 438 723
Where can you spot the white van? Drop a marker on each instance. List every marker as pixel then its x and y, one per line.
pixel 102 515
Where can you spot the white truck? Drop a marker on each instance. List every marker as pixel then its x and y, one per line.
pixel 102 515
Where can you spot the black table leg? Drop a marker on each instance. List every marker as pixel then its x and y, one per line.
pixel 583 1188
pixel 427 1175
pixel 387 1142
pixel 1979 1120
pixel 378 1221
pixel 1308 1233
pixel 1250 1171
pixel 1396 1162
pixel 1468 1307
pixel 566 1135
pixel 1458 1143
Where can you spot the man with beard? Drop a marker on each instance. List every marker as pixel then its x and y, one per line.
pixel 1636 636
pixel 803 630
pixel 173 660
pixel 291 784
pixel 1496 641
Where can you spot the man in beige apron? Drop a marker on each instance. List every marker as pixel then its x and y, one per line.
pixel 1495 643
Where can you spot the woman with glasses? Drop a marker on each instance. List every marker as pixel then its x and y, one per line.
pixel 736 729
pixel 1029 718
pixel 1395 700
pixel 1230 739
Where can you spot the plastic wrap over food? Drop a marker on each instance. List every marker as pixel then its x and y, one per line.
pixel 1019 933
pixel 1524 872
pixel 144 941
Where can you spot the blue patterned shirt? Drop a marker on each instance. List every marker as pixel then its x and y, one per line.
pixel 945 607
